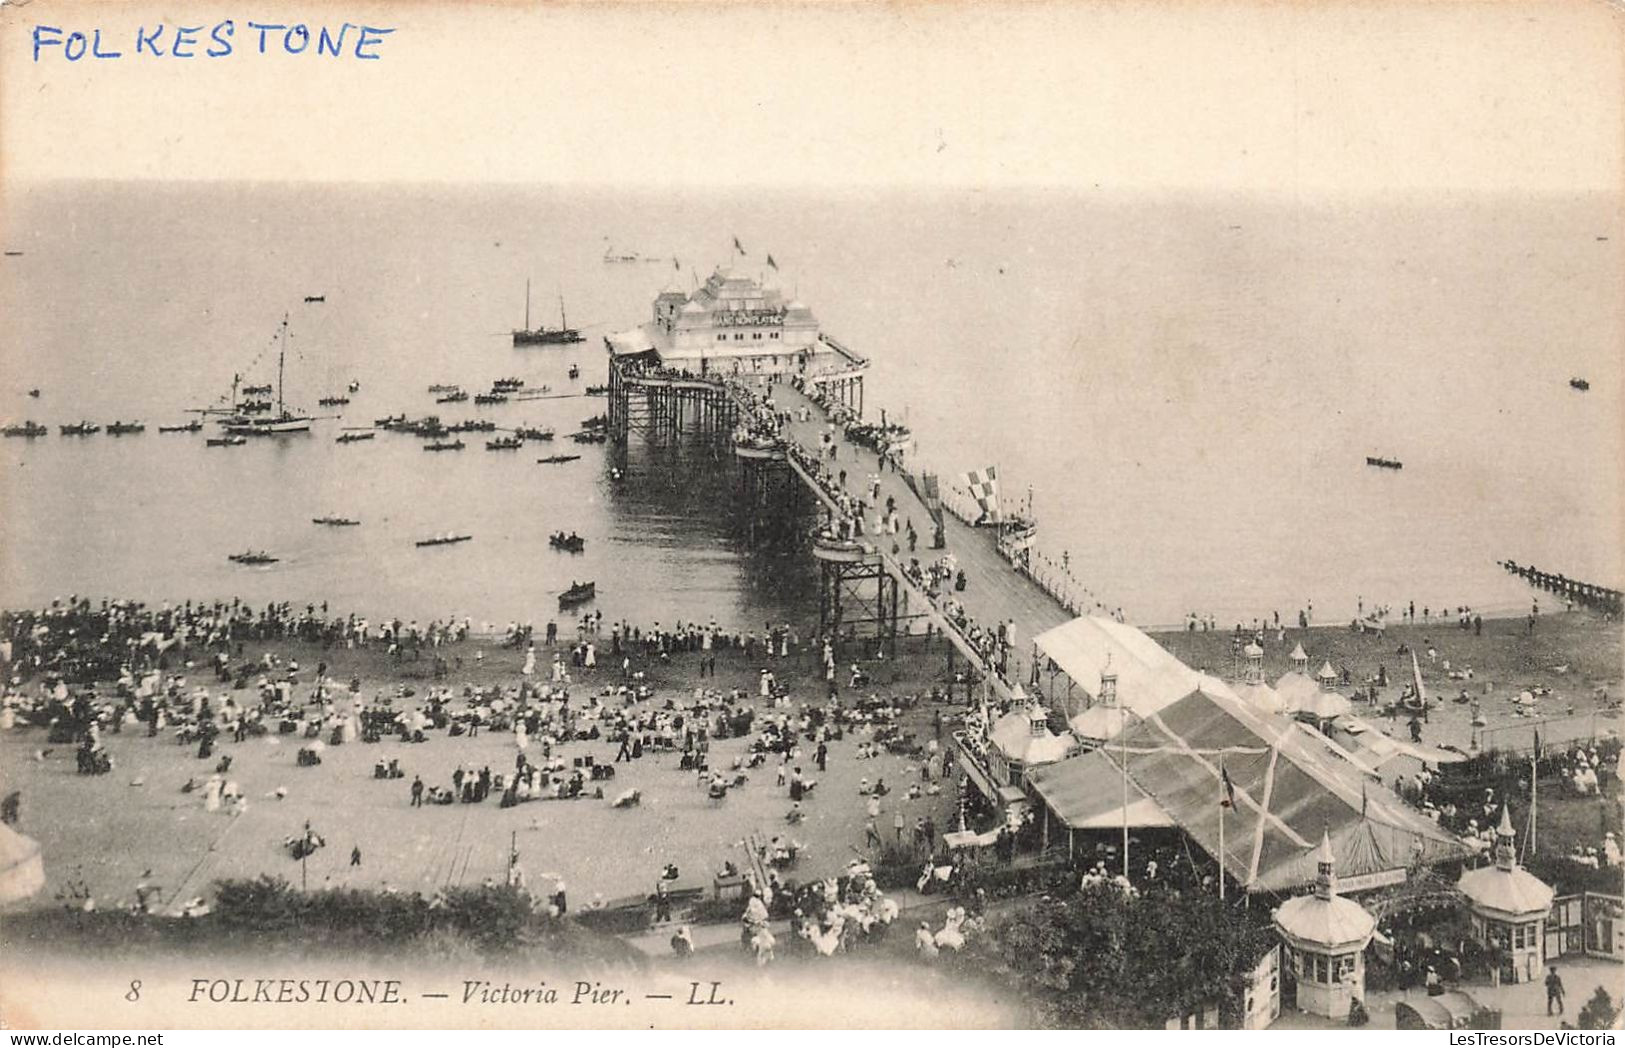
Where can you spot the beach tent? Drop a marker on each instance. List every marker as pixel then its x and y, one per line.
pixel 22 869
pixel 1099 722
pixel 1291 785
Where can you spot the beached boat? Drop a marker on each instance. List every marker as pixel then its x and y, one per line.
pixel 544 335
pixel 252 557
pixel 491 398
pixel 230 441
pixel 444 540
pixel 195 426
pixel 79 429
pixel 578 593
pixel 118 429
pixel 571 543
pixel 452 445
pixel 504 444
pixel 335 522
pixel 533 433
pixel 1383 463
pixel 1580 384
pixel 552 459
pixel 351 438
pixel 26 429
pixel 455 397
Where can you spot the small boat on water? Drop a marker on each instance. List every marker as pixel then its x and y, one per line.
pixel 504 444
pixel 596 422
pixel 195 426
pixel 456 396
pixel 509 384
pixel 231 440
pixel 315 298
pixel 590 436
pixel 571 543
pixel 351 438
pixel 453 445
pixel 444 540
pixel 335 522
pixel 444 387
pixel 250 391
pixel 597 391
pixel 533 433
pixel 333 402
pixel 575 371
pixel 79 429
pixel 34 392
pixel 390 421
pixel 491 398
pixel 252 557
pixel 473 425
pixel 118 429
pixel 1383 463
pixel 1580 384
pixel 578 593
pixel 26 429
pixel 553 459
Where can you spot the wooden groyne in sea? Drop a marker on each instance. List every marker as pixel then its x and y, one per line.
pixel 1586 594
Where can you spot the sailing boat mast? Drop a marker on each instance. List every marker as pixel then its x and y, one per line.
pixel 563 324
pixel 281 358
pixel 527 303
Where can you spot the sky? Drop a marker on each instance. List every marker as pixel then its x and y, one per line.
pixel 1285 98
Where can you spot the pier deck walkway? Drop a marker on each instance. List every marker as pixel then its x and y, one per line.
pixel 995 591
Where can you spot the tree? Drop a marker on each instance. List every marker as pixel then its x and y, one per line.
pixel 1105 958
pixel 1599 1013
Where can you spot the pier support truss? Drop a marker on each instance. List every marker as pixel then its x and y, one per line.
pixel 857 600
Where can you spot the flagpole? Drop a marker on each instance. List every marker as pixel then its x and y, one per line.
pixel 1534 804
pixel 1122 737
pixel 1223 804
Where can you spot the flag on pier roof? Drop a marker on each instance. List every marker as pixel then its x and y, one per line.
pixel 984 488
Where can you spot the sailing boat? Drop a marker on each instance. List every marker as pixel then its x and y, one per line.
pixel 543 335
pixel 284 421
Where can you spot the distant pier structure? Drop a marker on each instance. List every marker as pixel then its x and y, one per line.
pixel 669 375
pixel 736 367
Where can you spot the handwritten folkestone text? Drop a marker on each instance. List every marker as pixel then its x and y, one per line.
pixel 221 40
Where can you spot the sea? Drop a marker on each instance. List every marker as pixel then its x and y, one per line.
pixel 1185 386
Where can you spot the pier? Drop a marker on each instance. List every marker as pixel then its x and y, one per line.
pixel 869 585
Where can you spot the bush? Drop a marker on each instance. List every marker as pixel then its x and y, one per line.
pixel 1599 1013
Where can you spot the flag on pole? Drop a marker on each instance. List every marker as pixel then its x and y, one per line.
pixel 1229 798
pixel 931 496
pixel 738 246
pixel 772 263
pixel 676 264
pixel 984 488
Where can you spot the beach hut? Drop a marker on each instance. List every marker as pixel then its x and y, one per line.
pixel 22 869
pixel 1509 907
pixel 1326 936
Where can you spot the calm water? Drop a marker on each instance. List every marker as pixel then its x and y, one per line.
pixel 1189 386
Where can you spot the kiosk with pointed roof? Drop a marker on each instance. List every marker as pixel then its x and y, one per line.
pixel 1509 906
pixel 1326 936
pixel 1252 687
